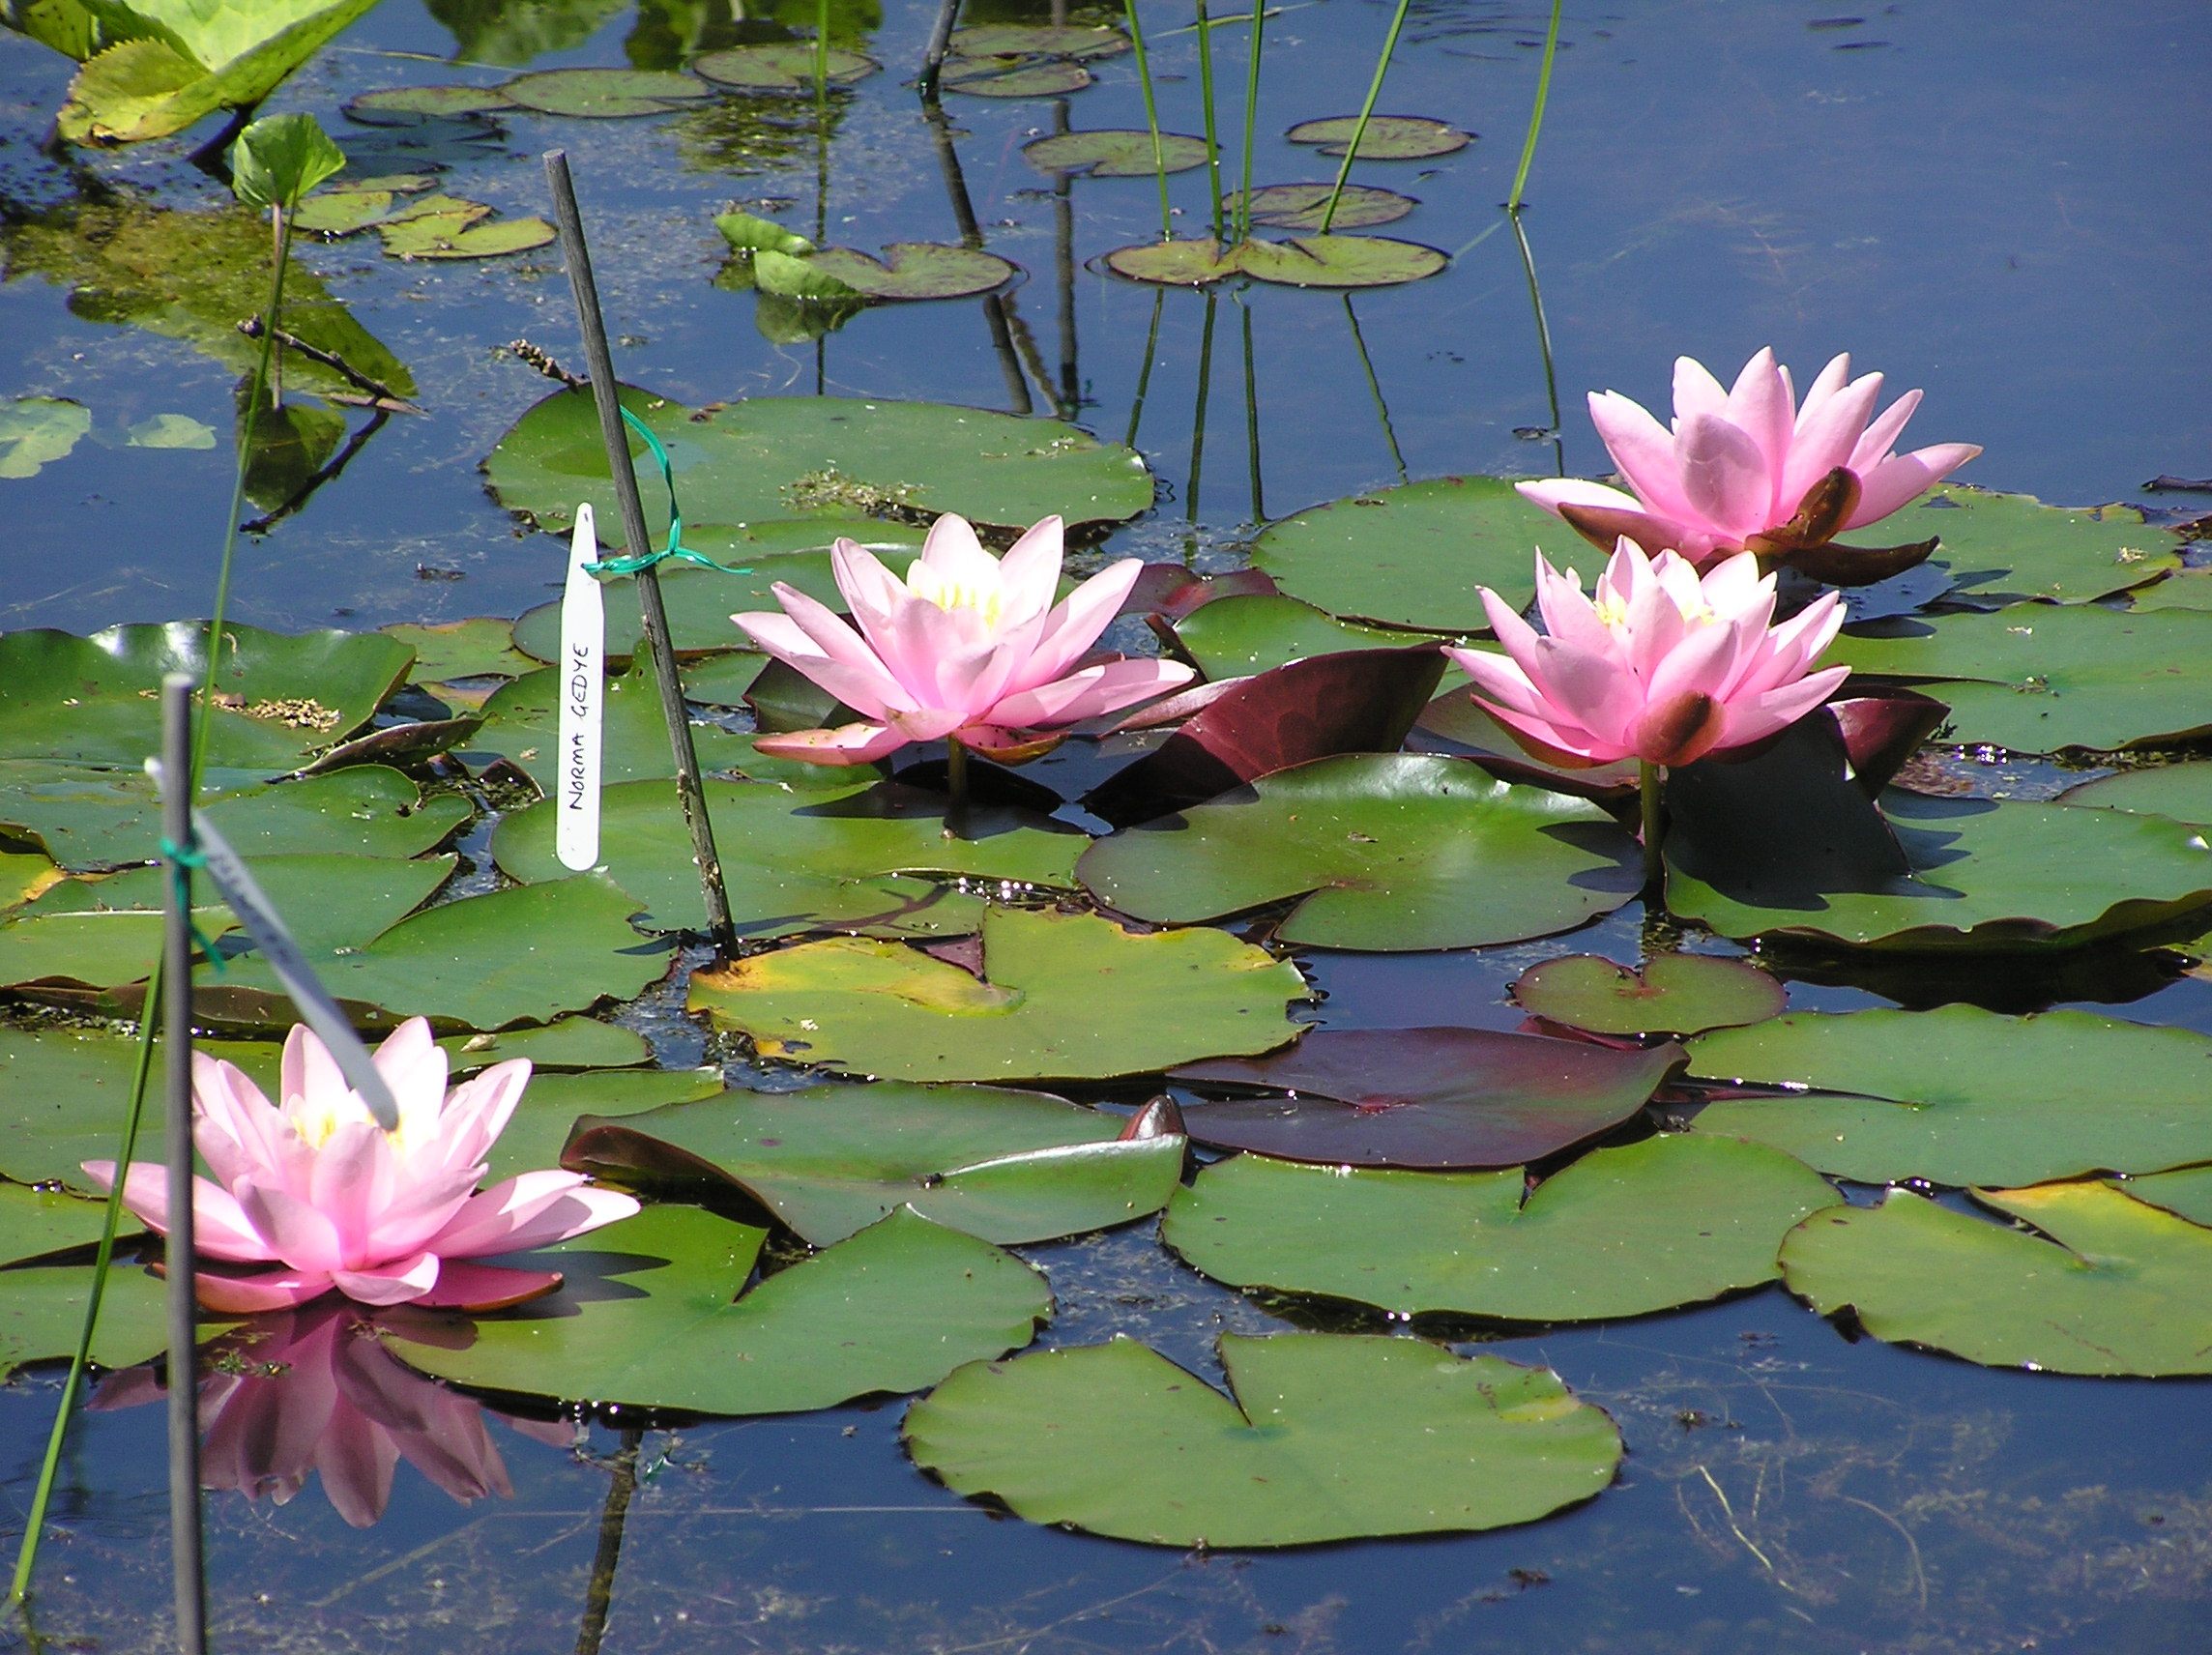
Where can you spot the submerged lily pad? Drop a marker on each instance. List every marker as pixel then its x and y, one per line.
pixel 1673 994
pixel 781 65
pixel 914 269
pixel 1013 76
pixel 34 1223
pixel 41 1316
pixel 1387 853
pixel 605 92
pixel 652 1317
pixel 1432 1098
pixel 772 459
pixel 37 430
pixel 1669 1221
pixel 1235 637
pixel 170 433
pixel 1388 138
pixel 2003 547
pixel 2120 1287
pixel 1115 152
pixel 1303 206
pixel 1081 41
pixel 2044 679
pixel 1060 996
pixel 1326 1438
pixel 1412 555
pixel 1005 1166
pixel 441 102
pixel 1304 261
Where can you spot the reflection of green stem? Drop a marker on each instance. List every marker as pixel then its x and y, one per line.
pixel 1251 115
pixel 1151 115
pixel 1144 373
pixel 1651 782
pixel 1206 92
pixel 1543 337
pixel 1536 115
pixel 1252 416
pixel 1375 388
pixel 1366 111
pixel 614 1517
pixel 821 49
pixel 1198 419
pixel 955 789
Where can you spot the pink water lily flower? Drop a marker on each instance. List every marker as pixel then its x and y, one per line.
pixel 1747 469
pixel 967 647
pixel 315 1191
pixel 1661 666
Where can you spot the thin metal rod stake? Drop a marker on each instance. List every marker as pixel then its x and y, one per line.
pixel 655 613
pixel 177 1071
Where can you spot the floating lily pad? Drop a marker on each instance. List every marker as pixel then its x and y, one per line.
pixel 552 1105
pixel 1326 1438
pixel 343 212
pixel 2004 547
pixel 440 101
pixel 605 92
pixel 172 432
pixel 1965 1096
pixel 1013 76
pixel 1985 874
pixel 1303 206
pixel 914 270
pixel 1434 1098
pixel 2185 1192
pixel 41 1316
pixel 1060 996
pixel 840 856
pixel 2186 589
pixel 1235 637
pixel 460 235
pixel 652 1317
pixel 37 430
pixel 522 725
pixel 1082 41
pixel 1006 1165
pixel 1115 152
pixel 781 65
pixel 1304 261
pixel 89 951
pixel 2120 1287
pixel 34 1223
pixel 1412 555
pixel 2183 792
pixel 2043 678
pixel 1387 853
pixel 448 649
pixel 24 874
pixel 568 1043
pixel 772 459
pixel 1669 1221
pixel 1388 138
pixel 1672 994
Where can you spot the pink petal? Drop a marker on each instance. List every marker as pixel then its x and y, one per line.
pixel 219 1230
pixel 530 1210
pixel 1779 708
pixel 1760 406
pixel 351 1184
pixel 952 551
pixel 1830 380
pixel 357 1460
pixel 1075 624
pixel 1825 439
pixel 846 744
pixel 294 1231
pixel 1569 615
pixel 466 1284
pixel 413 1066
pixel 833 636
pixel 1644 452
pixel 1723 477
pixel 1028 575
pixel 1899 481
pixel 1588 692
pixel 402 1281
pixel 1085 694
pixel 1551 493
pixel 868 585
pixel 1696 394
pixel 1563 744
pixel 1498 679
pixel 270 1289
pixel 476 1112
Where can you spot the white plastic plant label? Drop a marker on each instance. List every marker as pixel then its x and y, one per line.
pixel 583 687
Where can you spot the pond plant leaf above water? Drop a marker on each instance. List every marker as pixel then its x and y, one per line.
pixel 1668 1221
pixel 461 235
pixel 1005 1166
pixel 1059 996
pixel 2185 1192
pixel 1964 1097
pixel 2181 792
pixel 444 650
pixel 553 1104
pixel 1386 852
pixel 2111 1285
pixel 1323 1438
pixel 781 65
pixel 522 725
pixel 1429 1098
pixel 35 431
pixel 1303 206
pixel 442 103
pixel 1115 152
pixel 1239 636
pixel 1672 994
pixel 1303 261
pixel 605 92
pixel 839 856
pixel 2184 589
pixel 655 1312
pixel 778 458
pixel 1388 138
pixel 2045 677
pixel 41 1314
pixel 2000 548
pixel 907 270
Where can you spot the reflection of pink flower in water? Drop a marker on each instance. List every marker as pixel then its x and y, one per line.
pixel 315 1390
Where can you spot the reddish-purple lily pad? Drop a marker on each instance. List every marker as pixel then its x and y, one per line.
pixel 1433 1099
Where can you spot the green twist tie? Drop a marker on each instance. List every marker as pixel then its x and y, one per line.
pixel 676 548
pixel 181 858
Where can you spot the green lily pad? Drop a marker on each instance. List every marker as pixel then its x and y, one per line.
pixel 172 432
pixel 725 681
pixel 552 1105
pixel 1060 996
pixel 839 856
pixel 2185 589
pixel 1388 138
pixel 34 1223
pixel 1669 1221
pixel 2011 547
pixel 37 430
pixel 1235 637
pixel 23 875
pixel 87 950
pixel 781 66
pixel 1412 555
pixel 1185 262
pixel 1304 261
pixel 1303 206
pixel 1323 1438
pixel 1673 994
pixel 442 103
pixel 343 212
pixel 747 233
pixel 522 723
pixel 766 459
pixel 1985 874
pixel 91 818
pixel 1082 41
pixel 2182 791
pixel 2185 1192
pixel 914 269
pixel 1388 853
pixel 1115 152
pixel 1012 76
pixel 652 1317
pixel 62 1095
pixel 605 92
pixel 480 647
pixel 569 1043
pixel 1964 1097
pixel 2044 679
pixel 792 276
pixel 92 700
pixel 2120 1287
pixel 41 1316
pixel 1006 1165
pixel 460 235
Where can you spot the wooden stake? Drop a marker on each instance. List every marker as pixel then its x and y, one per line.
pixel 601 362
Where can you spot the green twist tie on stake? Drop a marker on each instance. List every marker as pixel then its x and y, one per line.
pixel 181 858
pixel 676 548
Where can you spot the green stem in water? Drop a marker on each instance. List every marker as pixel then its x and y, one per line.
pixel 1366 113
pixel 1536 115
pixel 1251 116
pixel 1151 115
pixel 1206 92
pixel 955 786
pixel 1651 784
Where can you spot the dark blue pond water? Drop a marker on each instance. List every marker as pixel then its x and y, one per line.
pixel 2004 203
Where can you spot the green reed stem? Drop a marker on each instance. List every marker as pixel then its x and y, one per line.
pixel 1251 116
pixel 821 49
pixel 1651 786
pixel 1144 372
pixel 1536 115
pixel 1543 336
pixel 1366 112
pixel 1213 139
pixel 1151 114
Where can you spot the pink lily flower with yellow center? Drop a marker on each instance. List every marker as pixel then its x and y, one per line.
pixel 326 1199
pixel 968 648
pixel 1747 469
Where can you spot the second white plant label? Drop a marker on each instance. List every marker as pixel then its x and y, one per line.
pixel 583 703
